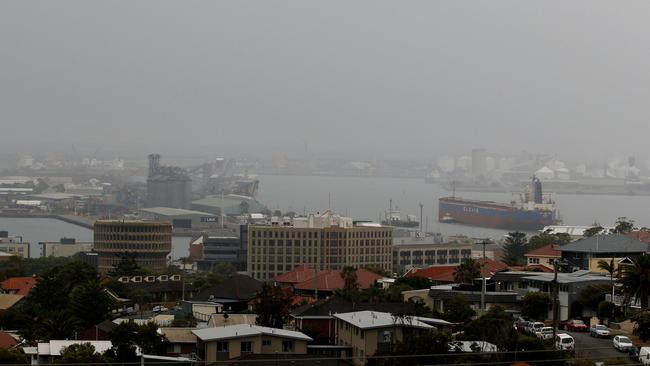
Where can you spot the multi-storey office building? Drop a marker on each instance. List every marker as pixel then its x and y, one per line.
pixel 13 245
pixel 322 241
pixel 149 242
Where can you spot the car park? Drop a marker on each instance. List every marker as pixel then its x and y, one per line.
pixel 622 343
pixel 564 342
pixel 599 330
pixel 536 327
pixel 576 325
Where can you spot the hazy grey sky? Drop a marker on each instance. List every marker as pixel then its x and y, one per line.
pixel 365 78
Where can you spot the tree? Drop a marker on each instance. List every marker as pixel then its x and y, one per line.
pixel 548 238
pixel 13 357
pixel 415 282
pixel 349 276
pixel 467 271
pixel 610 268
pixel 127 336
pixel 535 305
pixel 623 226
pixel 81 353
pixel 606 309
pixel 127 266
pixel 636 280
pixel 592 295
pixel 642 327
pixel 272 306
pixel 494 327
pixel 515 247
pixel 90 303
pixel 458 310
pixel 594 230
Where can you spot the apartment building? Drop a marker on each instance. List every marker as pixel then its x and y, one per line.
pixel 322 241
pixel 13 245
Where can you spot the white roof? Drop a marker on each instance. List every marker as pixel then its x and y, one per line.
pixel 246 330
pixel 374 319
pixel 54 347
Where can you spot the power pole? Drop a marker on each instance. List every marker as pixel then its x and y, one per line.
pixel 556 288
pixel 421 206
pixel 484 242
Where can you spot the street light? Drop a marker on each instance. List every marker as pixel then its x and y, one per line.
pixel 484 242
pixel 556 265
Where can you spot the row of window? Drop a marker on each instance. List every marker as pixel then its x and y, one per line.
pixel 247 346
pixel 324 235
pixel 128 237
pixel 133 246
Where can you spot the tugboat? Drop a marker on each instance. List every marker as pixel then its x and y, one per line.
pixel 394 218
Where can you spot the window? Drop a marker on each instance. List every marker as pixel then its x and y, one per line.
pixel 222 346
pixel 266 343
pixel 287 346
pixel 246 347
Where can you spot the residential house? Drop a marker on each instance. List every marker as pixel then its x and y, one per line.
pixel 544 256
pixel 233 341
pixel 48 352
pixel 98 332
pixel 7 301
pixel 324 283
pixel 585 253
pixel 368 332
pixel 7 340
pixel 445 274
pixel 436 297
pixel 162 288
pixel 233 294
pixel 18 285
pixel 182 342
pixel 319 317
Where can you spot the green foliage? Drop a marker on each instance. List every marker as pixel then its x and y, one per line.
pixel 377 270
pixel 623 226
pixel 535 305
pixel 642 326
pixel 616 361
pixel 127 336
pixel 514 249
pixel 547 238
pixel 606 309
pixel 58 309
pixel 349 276
pixel 636 280
pixel 415 282
pixel 594 230
pixel 415 343
pixel 458 310
pixel 494 327
pixel 272 306
pixel 81 353
pixel 127 266
pixel 467 271
pixel 13 356
pixel 22 267
pixel 592 295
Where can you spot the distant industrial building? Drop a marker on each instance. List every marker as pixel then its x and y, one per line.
pixel 228 205
pixel 209 250
pixel 179 217
pixel 322 241
pixel 149 242
pixel 66 247
pixel 13 245
pixel 167 186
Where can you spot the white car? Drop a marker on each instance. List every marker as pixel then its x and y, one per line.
pixel 599 330
pixel 564 342
pixel 536 327
pixel 622 343
pixel 159 308
pixel 545 333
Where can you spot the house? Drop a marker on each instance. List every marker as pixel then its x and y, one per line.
pixel 309 282
pixel 544 256
pixel 182 342
pixel 445 274
pixel 47 352
pixel 163 288
pixel 7 340
pixel 437 296
pixel 320 317
pixel 233 293
pixel 222 320
pixel 368 332
pixel 8 301
pixel 98 332
pixel 233 341
pixel 18 285
pixel 585 253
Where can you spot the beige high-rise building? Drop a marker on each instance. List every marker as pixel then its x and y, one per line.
pixel 323 241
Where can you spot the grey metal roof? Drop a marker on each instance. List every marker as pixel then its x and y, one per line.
pixel 169 211
pixel 575 277
pixel 613 243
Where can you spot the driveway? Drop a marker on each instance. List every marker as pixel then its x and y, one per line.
pixel 595 349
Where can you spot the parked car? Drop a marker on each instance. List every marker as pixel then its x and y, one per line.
pixel 536 327
pixel 633 354
pixel 545 333
pixel 576 325
pixel 564 342
pixel 644 356
pixel 159 308
pixel 622 343
pixel 599 330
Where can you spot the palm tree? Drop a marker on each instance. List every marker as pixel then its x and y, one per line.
pixel 467 272
pixel 610 268
pixel 636 280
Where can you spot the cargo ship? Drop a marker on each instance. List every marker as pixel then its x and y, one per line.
pixel 532 212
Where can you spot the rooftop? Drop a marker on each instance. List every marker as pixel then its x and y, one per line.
pixel 575 277
pixel 178 335
pixel 306 278
pixel 18 285
pixel 334 305
pixel 7 300
pixel 446 273
pixel 246 330
pixel 169 211
pixel 550 250
pixel 372 319
pixel 612 243
pixel 238 287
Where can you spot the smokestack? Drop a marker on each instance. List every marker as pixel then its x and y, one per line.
pixel 154 164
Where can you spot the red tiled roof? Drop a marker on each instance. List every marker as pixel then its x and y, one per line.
pixel 446 273
pixel 6 340
pixel 550 250
pixel 297 275
pixel 18 285
pixel 330 280
pixel 531 267
pixel 643 236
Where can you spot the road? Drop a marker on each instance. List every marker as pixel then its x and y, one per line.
pixel 595 349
